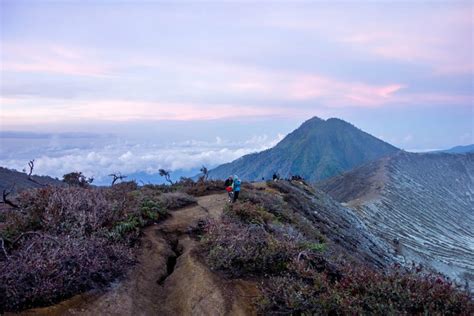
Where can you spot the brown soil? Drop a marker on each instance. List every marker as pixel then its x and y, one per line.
pixel 169 278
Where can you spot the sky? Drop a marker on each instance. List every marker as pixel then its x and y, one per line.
pixel 134 86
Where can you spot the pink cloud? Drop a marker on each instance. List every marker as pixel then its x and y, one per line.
pixel 121 111
pixel 322 89
pixel 51 58
pixel 58 67
pixel 437 36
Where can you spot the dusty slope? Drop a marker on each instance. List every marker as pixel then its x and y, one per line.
pixel 169 278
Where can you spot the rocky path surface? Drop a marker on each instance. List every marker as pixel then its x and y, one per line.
pixel 169 279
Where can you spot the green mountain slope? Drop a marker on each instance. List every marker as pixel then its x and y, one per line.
pixel 318 149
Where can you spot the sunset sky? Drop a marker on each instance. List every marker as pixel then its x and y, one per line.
pixel 103 86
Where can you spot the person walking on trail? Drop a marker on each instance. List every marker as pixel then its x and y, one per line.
pixel 228 187
pixel 236 188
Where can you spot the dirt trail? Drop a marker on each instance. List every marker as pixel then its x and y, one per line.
pixel 168 279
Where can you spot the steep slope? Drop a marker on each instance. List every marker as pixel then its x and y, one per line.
pixel 422 202
pixel 318 149
pixel 343 230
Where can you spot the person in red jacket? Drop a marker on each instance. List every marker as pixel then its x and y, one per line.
pixel 228 187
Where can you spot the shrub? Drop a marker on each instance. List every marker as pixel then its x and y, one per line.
pixel 277 206
pixel 77 179
pixel 42 271
pixel 201 188
pixel 239 248
pixel 242 249
pixel 176 200
pixel 249 213
pixel 152 210
pixel 130 227
pixel 286 294
pixel 362 290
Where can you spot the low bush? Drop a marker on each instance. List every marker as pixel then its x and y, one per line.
pixel 42 270
pixel 278 207
pixel 153 210
pixel 249 213
pixel 176 200
pixel 246 249
pixel 248 241
pixel 201 188
pixel 363 291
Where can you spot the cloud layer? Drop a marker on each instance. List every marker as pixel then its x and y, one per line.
pixel 130 158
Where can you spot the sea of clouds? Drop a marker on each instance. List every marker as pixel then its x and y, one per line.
pixel 100 155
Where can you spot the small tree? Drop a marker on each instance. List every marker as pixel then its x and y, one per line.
pixel 77 179
pixel 116 176
pixel 31 165
pixel 166 174
pixel 205 173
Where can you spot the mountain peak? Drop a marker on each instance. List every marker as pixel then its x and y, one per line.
pixel 318 149
pixel 312 122
pixel 314 119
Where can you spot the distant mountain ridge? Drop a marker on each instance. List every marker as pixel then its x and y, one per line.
pixel 317 150
pixel 459 149
pixel 424 202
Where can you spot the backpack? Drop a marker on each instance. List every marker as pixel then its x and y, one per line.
pixel 237 184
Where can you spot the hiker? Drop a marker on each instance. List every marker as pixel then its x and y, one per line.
pixel 236 188
pixel 228 187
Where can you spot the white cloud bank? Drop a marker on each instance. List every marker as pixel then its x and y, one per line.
pixel 127 158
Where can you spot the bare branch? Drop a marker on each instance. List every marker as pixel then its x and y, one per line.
pixel 30 246
pixel 3 248
pixel 116 176
pixel 34 233
pixel 31 164
pixel 5 194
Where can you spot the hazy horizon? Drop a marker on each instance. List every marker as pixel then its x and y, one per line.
pixel 105 86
